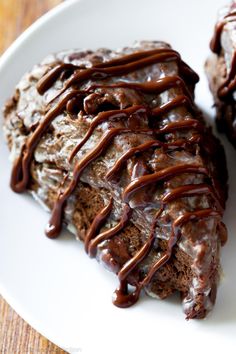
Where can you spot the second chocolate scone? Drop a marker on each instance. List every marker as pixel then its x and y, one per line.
pixel 113 144
pixel 221 71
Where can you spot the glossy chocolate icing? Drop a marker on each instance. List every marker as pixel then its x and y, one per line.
pixel 68 99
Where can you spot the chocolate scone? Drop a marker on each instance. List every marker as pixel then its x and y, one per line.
pixel 113 144
pixel 221 71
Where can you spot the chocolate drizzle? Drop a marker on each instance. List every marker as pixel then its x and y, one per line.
pixel 229 85
pixel 68 98
pixel 122 298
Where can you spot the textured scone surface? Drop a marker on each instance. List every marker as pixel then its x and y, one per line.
pixel 193 268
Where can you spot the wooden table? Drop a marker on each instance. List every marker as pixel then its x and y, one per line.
pixel 16 336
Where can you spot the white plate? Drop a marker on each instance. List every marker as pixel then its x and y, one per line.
pixel 53 285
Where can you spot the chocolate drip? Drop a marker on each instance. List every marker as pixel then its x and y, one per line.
pixel 176 233
pixel 97 223
pixel 122 298
pixel 229 84
pixel 68 99
pixel 106 235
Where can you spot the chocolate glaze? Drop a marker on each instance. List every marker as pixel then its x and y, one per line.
pixel 127 64
pixel 106 235
pixel 102 117
pixel 229 85
pixel 21 168
pixel 176 233
pixel 122 298
pixel 113 172
pixel 55 223
pixel 68 99
pixel 162 175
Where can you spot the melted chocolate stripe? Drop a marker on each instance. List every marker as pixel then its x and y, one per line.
pixel 129 58
pixel 162 175
pixel 149 87
pixel 97 223
pixel 21 169
pixel 179 125
pixel 122 69
pixel 116 169
pixel 121 297
pixel 192 190
pixel 185 69
pixel 173 104
pixel 106 235
pixel 141 254
pixel 48 79
pixel 102 117
pixel 156 87
pixel 177 224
